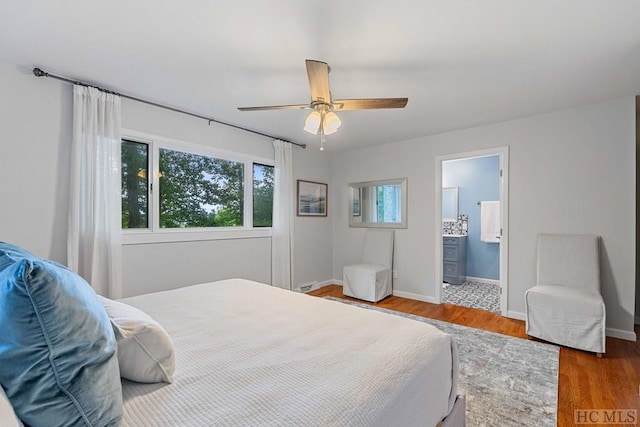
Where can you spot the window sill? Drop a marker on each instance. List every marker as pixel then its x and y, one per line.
pixel 144 237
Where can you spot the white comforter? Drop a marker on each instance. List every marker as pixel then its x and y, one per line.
pixel 249 354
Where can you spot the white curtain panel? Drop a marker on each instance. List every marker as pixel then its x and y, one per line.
pixel 283 208
pixel 94 239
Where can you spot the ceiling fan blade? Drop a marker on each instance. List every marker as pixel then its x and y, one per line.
pixel 318 73
pixel 276 107
pixel 369 104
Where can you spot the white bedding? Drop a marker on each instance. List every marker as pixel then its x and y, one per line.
pixel 248 354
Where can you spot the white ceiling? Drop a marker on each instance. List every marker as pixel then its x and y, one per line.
pixel 461 63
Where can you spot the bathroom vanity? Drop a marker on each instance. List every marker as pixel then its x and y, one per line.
pixel 454 259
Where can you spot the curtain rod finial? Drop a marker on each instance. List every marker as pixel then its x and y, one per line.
pixel 39 73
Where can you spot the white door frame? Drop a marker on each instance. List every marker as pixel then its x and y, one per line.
pixel 503 152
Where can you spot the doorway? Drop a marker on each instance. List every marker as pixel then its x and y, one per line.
pixel 472 229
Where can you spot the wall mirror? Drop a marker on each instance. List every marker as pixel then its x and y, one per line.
pixel 449 203
pixel 378 204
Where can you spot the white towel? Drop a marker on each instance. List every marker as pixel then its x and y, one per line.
pixel 490 222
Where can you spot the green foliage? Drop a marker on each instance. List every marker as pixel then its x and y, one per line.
pixel 263 176
pixel 194 190
pixel 199 191
pixel 135 157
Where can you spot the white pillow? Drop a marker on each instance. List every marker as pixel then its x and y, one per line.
pixel 8 417
pixel 145 351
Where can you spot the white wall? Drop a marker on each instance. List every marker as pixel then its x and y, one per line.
pixel 35 124
pixel 571 171
pixel 35 117
pixel 157 267
pixel 313 236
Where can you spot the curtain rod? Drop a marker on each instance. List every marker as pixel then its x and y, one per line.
pixel 40 73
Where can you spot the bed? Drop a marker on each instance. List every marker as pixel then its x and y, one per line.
pixel 251 354
pixel 232 352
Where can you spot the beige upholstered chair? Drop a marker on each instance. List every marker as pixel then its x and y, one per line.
pixel 566 307
pixel 372 279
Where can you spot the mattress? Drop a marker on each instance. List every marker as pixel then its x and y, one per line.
pixel 248 354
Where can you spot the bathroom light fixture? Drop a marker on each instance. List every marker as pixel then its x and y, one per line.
pixel 322 119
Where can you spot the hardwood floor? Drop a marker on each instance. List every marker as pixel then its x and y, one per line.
pixel 585 381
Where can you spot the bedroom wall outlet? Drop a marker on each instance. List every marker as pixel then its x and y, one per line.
pixel 395 274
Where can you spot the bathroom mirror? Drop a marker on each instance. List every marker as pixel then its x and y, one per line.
pixel 449 203
pixel 378 204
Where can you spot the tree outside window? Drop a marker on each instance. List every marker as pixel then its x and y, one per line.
pixel 135 184
pixel 262 195
pixel 194 190
pixel 200 191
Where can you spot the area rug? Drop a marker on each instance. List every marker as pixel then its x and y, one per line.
pixel 474 294
pixel 507 381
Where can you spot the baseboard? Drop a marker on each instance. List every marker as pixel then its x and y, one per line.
pixel 480 279
pixel 619 333
pixel 407 295
pixel 516 315
pixel 416 297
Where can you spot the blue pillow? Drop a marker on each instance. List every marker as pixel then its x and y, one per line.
pixel 58 362
pixel 10 254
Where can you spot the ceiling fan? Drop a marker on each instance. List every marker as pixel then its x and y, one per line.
pixel 323 117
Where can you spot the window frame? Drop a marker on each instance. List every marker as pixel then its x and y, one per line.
pixel 252 195
pixel 154 233
pixel 149 173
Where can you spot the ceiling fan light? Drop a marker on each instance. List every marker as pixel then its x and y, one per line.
pixel 312 123
pixel 328 131
pixel 331 123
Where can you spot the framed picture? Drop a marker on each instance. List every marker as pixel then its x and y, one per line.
pixel 312 198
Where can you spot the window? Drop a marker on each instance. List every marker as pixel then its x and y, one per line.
pixel 177 186
pixel 200 191
pixel 262 195
pixel 135 184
